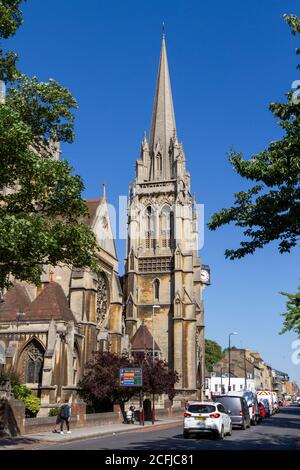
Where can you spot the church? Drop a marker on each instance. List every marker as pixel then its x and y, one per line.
pixel 48 333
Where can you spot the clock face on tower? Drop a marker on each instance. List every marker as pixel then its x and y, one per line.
pixel 205 276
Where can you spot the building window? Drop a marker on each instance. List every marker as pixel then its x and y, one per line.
pixel 233 388
pixel 156 289
pixel 149 228
pixel 102 299
pixel 166 221
pixel 216 387
pixel 241 387
pixel 33 361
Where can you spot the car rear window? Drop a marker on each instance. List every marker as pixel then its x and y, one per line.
pixel 201 408
pixel 231 403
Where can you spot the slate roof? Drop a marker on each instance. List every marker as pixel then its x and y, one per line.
pixel 92 206
pixel 16 300
pixel 50 304
pixel 143 339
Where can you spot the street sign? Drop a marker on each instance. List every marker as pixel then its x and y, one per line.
pixel 131 377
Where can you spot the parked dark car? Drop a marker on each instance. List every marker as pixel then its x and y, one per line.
pixel 237 409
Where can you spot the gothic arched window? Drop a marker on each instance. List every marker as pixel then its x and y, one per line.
pixel 156 284
pixel 102 299
pixel 33 361
pixel 149 227
pixel 166 222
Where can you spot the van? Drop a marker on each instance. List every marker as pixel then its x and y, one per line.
pixel 266 395
pixel 237 409
pixel 252 403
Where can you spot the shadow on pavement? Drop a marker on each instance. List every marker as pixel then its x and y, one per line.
pixel 16 441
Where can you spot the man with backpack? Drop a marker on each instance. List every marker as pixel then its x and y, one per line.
pixel 64 416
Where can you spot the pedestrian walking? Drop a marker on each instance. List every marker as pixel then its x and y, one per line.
pixel 64 416
pixel 132 409
pixel 129 416
pixel 57 422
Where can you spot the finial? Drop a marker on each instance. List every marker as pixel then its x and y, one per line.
pixel 51 276
pixel 104 190
pixel 163 29
pixel 144 138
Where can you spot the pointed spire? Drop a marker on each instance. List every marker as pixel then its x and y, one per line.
pixel 144 141
pixel 163 119
pixel 104 191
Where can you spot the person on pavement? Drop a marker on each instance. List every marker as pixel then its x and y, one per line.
pixel 64 415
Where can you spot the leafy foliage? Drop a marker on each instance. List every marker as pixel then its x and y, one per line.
pixel 213 354
pixel 292 315
pixel 21 392
pixel 11 377
pixel 32 403
pixel 53 412
pixel 270 210
pixel 157 377
pixel 32 406
pixel 101 379
pixel 41 209
pixel 10 19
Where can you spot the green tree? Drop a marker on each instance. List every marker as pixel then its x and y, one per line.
pixel 292 315
pixel 41 209
pixel 213 354
pixel 270 209
pixel 101 380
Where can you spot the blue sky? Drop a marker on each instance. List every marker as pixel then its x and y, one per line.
pixel 228 61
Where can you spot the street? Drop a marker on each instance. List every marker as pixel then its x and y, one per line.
pixel 280 432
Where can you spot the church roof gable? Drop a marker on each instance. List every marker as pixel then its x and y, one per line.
pixel 51 304
pixel 16 300
pixel 143 340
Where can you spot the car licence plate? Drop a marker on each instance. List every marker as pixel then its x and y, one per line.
pixel 200 419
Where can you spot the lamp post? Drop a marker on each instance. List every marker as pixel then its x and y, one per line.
pixel 221 380
pixel 229 386
pixel 153 312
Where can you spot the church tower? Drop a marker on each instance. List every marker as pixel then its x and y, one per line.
pixel 162 267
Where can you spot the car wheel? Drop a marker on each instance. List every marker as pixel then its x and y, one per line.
pixel 254 422
pixel 222 434
pixel 185 435
pixel 230 430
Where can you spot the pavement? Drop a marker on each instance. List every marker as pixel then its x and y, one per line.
pixel 77 434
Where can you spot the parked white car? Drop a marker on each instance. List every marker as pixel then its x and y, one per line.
pixel 206 417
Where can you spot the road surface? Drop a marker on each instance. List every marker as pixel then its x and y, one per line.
pixel 280 432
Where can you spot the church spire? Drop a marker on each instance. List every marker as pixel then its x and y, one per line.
pixel 163 119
